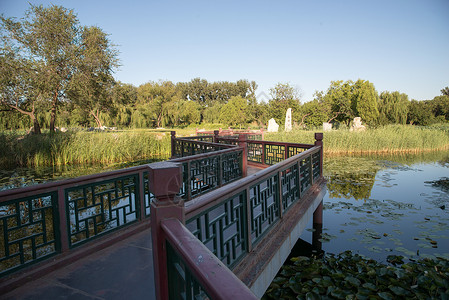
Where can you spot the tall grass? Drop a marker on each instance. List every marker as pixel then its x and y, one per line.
pixel 81 148
pixel 388 139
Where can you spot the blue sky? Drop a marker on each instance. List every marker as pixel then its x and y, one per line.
pixel 397 45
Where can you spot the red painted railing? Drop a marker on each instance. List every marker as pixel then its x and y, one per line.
pixel 226 223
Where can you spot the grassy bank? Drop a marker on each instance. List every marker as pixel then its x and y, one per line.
pixel 81 148
pixel 388 139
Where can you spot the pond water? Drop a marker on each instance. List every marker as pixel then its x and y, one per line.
pixel 375 205
pixel 21 177
pixel 380 206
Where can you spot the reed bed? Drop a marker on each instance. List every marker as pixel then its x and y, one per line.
pixel 81 147
pixel 388 139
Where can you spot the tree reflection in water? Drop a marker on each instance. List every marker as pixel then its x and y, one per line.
pixel 382 205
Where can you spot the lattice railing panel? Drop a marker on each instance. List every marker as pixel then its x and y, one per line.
pixel 28 230
pixel 305 174
pixel 182 283
pixel 264 199
pixel 231 166
pixel 274 154
pixel 97 208
pixel 316 165
pixel 255 152
pixel 290 186
pixel 204 175
pixel 292 150
pixel 222 229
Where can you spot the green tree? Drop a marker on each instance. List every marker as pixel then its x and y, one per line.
pixel 420 113
pixel 17 85
pixel 124 97
pixel 91 85
pixel 445 91
pixel 339 98
pixel 54 44
pixel 393 108
pixel 158 97
pixel 235 112
pixel 190 113
pixel 283 96
pixel 313 113
pixel 364 101
pixel 440 107
pixel 211 114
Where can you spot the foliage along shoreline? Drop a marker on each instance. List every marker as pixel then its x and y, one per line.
pixel 78 148
pixel 81 147
pixel 387 139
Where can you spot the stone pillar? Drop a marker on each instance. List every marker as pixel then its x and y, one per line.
pixel 288 120
pixel 165 181
pixel 243 143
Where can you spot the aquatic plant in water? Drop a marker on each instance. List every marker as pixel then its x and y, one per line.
pixel 351 276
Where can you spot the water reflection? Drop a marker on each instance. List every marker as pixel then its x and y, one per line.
pixel 21 177
pixel 382 205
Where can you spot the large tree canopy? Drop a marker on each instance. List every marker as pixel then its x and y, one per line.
pixel 57 51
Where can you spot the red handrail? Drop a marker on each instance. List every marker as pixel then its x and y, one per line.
pixel 217 280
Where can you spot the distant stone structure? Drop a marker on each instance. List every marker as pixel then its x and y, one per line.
pixel 357 125
pixel 327 126
pixel 288 120
pixel 272 125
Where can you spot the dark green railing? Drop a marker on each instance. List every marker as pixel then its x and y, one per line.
pixel 205 172
pixel 182 147
pixel 42 220
pixel 231 220
pixel 29 230
pixel 270 153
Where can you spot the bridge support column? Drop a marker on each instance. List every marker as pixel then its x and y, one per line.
pixel 165 181
pixel 318 228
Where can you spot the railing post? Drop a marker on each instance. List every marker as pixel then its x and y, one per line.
pixel 248 219
pixel 142 211
pixel 216 133
pixel 280 194
pixel 243 143
pixel 173 140
pixel 165 182
pixel 261 130
pixel 319 142
pixel 63 227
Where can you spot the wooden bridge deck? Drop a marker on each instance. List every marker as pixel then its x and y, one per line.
pixel 123 270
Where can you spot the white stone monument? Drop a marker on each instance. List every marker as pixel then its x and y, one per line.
pixel 357 125
pixel 327 126
pixel 288 120
pixel 272 125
